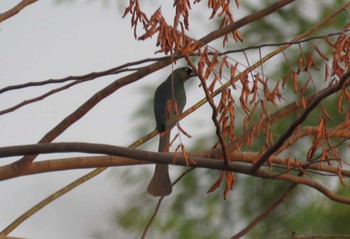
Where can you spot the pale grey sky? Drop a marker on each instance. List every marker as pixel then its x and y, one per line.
pixel 48 40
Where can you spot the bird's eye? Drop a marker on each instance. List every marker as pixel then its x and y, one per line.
pixel 188 70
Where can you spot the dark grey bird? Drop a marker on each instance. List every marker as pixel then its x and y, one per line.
pixel 169 102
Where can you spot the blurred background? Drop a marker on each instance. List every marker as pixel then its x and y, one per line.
pixel 55 39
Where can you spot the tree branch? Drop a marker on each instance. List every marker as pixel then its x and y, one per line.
pixel 284 137
pixel 214 110
pixel 49 199
pixel 44 166
pixel 245 20
pixel 162 158
pixel 83 78
pixel 95 99
pixel 89 104
pixel 16 9
pixel 266 213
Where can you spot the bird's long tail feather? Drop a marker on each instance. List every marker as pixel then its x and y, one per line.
pixel 160 184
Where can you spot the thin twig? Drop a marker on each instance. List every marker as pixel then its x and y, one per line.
pixel 86 77
pixel 144 233
pixel 214 109
pixel 38 98
pixel 48 200
pixel 148 225
pixel 266 213
pixel 324 236
pixel 280 44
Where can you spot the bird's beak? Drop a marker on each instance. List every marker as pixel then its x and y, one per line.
pixel 193 74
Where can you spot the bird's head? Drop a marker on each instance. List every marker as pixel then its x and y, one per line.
pixel 184 73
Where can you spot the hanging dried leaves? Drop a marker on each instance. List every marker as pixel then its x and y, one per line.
pixel 254 98
pixel 230 182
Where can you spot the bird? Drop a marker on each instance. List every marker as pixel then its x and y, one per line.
pixel 169 102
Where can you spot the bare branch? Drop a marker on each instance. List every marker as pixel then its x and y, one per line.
pixel 38 98
pixel 281 44
pixel 324 236
pixel 162 158
pixel 89 104
pixel 266 213
pixel 86 77
pixel 16 9
pixel 7 172
pixel 144 233
pixel 49 199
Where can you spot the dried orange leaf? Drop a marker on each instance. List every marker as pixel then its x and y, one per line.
pixel 217 184
pixel 184 154
pixel 325 113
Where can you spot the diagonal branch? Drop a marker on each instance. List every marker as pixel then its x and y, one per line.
pixel 16 9
pixel 86 77
pixel 148 225
pixel 245 20
pixel 284 137
pixel 266 213
pixel 38 98
pixel 47 200
pixel 89 104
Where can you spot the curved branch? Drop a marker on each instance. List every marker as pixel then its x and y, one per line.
pixel 16 9
pixel 83 78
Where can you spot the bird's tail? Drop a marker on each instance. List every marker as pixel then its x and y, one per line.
pixel 160 184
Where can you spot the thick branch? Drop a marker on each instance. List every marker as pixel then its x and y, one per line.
pixel 7 172
pixel 162 158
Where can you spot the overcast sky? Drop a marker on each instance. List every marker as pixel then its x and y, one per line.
pixel 48 40
pixel 45 41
